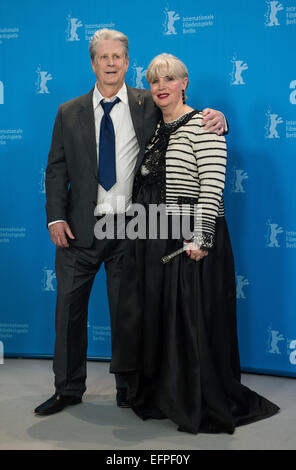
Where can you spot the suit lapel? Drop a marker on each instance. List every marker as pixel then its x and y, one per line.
pixel 136 104
pixel 87 123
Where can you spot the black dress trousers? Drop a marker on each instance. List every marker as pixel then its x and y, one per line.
pixel 76 269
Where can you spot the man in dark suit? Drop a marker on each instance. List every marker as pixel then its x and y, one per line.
pixel 80 185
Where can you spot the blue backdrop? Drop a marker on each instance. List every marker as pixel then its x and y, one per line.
pixel 241 60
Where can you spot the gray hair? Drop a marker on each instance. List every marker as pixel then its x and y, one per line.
pixel 166 64
pixel 109 34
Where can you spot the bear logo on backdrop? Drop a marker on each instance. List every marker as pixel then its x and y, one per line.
pixel 190 23
pixel 43 78
pixel 274 337
pixel 273 232
pixel 277 11
pixel 238 176
pixel 171 17
pixel 272 121
pixel 72 27
pixel 241 282
pixel 49 276
pixel 77 30
pixel 239 66
pixel 277 236
pixel 138 76
pixel 274 341
pixel 273 8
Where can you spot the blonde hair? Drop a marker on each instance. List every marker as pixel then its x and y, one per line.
pixel 166 64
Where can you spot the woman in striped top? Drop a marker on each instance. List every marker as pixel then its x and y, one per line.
pixel 176 337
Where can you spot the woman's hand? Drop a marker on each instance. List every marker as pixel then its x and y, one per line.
pixel 194 252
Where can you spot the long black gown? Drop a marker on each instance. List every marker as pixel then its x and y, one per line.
pixel 176 333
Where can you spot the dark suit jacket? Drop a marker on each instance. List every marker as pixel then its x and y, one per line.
pixel 71 174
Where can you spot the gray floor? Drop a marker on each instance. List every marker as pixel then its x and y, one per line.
pixel 98 424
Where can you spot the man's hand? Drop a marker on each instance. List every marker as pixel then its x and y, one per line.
pixel 59 232
pixel 214 121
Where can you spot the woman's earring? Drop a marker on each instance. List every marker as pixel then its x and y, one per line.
pixel 183 97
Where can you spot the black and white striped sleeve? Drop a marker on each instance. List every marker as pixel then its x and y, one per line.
pixel 211 155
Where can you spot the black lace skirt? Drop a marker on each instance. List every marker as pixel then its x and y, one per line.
pixel 175 336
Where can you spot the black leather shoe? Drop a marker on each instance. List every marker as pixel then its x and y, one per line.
pixel 56 403
pixel 121 398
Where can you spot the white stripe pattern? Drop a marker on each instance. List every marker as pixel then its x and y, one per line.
pixel 195 173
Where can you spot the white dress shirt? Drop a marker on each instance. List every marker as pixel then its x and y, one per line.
pixel 119 197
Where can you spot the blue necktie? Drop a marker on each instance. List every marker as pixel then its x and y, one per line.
pixel 107 164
